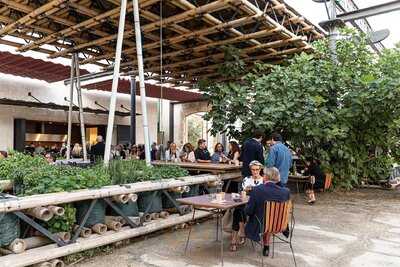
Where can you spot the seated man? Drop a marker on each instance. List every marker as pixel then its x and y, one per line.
pixel 269 191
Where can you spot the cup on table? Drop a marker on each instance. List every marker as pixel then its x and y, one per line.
pixel 221 196
pixel 244 195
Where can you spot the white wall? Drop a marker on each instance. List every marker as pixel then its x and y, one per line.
pixel 17 88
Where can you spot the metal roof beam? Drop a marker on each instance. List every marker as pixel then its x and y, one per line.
pixel 370 11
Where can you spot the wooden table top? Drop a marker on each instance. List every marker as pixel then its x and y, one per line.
pixel 205 201
pixel 199 166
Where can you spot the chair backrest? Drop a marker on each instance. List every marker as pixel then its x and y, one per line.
pixel 328 181
pixel 276 216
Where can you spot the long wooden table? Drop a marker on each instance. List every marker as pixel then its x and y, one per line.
pixel 215 168
pixel 208 203
pixel 299 179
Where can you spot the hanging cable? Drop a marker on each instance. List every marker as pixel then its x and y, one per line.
pixel 161 67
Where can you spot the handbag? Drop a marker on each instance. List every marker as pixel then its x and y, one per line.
pixel 227 220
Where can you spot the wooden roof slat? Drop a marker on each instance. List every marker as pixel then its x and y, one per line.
pixel 183 37
pixel 29 18
pixel 213 6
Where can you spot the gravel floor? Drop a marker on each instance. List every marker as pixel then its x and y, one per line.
pixel 359 228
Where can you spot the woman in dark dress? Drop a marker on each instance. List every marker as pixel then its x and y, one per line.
pixel 313 169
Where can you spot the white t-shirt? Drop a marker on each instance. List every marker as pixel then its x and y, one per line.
pixel 249 181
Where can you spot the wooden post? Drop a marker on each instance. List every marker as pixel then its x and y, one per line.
pixel 141 80
pixel 111 115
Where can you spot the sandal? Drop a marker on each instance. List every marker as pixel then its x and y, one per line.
pixel 233 247
pixel 242 240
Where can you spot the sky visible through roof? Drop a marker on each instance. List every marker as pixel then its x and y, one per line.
pixel 316 13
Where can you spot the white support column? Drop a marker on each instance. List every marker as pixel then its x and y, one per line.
pixel 80 104
pixel 71 98
pixel 141 80
pixel 111 115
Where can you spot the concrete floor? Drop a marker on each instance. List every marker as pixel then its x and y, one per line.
pixel 360 228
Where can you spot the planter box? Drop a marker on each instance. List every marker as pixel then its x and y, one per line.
pixel 129 209
pixel 9 229
pixel 97 215
pixel 145 200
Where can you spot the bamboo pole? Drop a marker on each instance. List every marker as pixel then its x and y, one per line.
pixel 182 37
pixel 138 39
pixel 121 198
pixel 99 228
pixel 113 225
pixel 28 19
pixel 40 213
pixel 58 211
pixel 43 264
pixel 17 246
pixel 111 115
pixel 80 105
pixel 6 185
pixel 211 7
pixel 52 251
pixel 57 263
pixel 71 101
pixel 85 232
pixel 33 201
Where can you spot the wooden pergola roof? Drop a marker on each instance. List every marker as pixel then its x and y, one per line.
pixel 192 38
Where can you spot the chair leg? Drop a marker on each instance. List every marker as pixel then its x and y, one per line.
pixel 273 245
pixel 262 250
pixel 294 258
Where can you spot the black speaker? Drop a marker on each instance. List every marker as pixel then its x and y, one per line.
pixel 19 134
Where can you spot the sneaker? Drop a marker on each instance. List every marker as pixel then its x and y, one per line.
pixel 266 251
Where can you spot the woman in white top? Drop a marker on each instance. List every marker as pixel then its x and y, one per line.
pixel 255 178
pixel 172 153
pixel 239 218
pixel 187 154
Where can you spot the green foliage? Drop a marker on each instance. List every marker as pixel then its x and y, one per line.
pixel 50 179
pixel 131 171
pixel 17 162
pixel 63 223
pixel 347 114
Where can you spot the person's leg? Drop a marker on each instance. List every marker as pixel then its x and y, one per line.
pixel 266 244
pixel 235 229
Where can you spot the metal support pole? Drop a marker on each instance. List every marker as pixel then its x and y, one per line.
pixel 80 104
pixel 333 32
pixel 133 111
pixel 141 80
pixel 110 125
pixel 71 98
pixel 171 121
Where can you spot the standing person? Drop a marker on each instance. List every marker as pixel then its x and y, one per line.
pixel 134 152
pixel 187 154
pixel 252 150
pixel 201 152
pixel 97 151
pixel 234 153
pixel 313 169
pixel 280 157
pixel 219 154
pixel 76 151
pixel 172 153
pixel 154 151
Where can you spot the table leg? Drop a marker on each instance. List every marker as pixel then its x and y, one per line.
pixel 222 239
pixel 190 230
pixel 216 239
